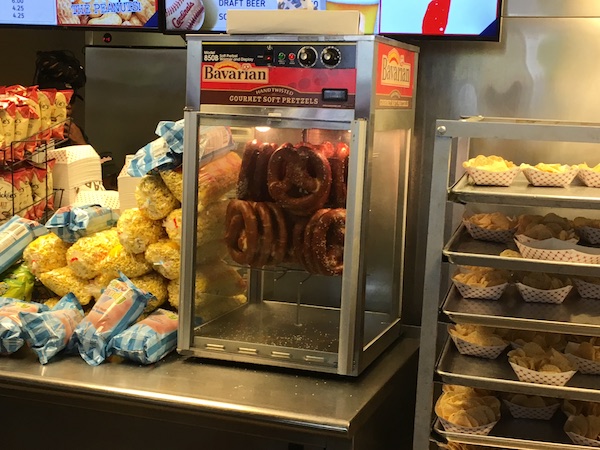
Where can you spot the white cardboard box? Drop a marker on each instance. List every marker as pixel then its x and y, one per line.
pixel 294 21
pixel 76 166
pixel 126 185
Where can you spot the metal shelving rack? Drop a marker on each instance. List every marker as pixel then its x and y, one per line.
pixel 37 155
pixel 439 361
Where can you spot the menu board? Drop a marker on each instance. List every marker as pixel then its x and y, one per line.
pixel 81 13
pixel 211 15
pixel 477 18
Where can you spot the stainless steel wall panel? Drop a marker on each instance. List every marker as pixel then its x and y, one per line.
pixel 551 8
pixel 128 91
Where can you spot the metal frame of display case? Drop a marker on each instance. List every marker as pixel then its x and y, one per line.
pixel 452 145
pixel 361 330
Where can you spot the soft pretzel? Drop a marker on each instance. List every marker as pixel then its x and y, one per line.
pixel 259 178
pixel 326 233
pixel 241 236
pixel 280 232
pixel 249 159
pixel 266 235
pixel 299 179
pixel 339 176
pixel 308 249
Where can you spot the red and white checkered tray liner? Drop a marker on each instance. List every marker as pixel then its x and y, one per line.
pixel 582 440
pixel 483 430
pixel 481 293
pixel 588 177
pixel 523 412
pixel 526 239
pixel 585 366
pixel 557 250
pixel 481 351
pixel 533 376
pixel 491 178
pixel 533 295
pixel 589 234
pixel 540 178
pixel 483 234
pixel 587 290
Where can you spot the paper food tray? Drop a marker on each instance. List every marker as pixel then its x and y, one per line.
pixel 540 178
pixel 482 293
pixel 483 430
pixel 588 177
pixel 589 234
pixel 483 234
pixel 582 440
pixel 490 178
pixel 526 239
pixel 533 376
pixel 587 290
pixel 533 295
pixel 585 366
pixel 523 412
pixel 557 250
pixel 481 351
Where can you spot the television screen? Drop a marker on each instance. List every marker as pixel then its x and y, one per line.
pixel 474 19
pixel 441 18
pixel 105 14
pixel 211 15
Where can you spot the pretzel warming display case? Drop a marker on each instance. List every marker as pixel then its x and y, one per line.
pixel 293 240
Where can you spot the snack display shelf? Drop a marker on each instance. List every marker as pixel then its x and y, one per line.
pixel 521 193
pixel 498 375
pixel 518 434
pixel 462 249
pixel 575 315
pixel 453 145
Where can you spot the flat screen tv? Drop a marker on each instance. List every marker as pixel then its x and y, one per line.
pixel 200 16
pixel 402 19
pixel 82 14
pixel 440 19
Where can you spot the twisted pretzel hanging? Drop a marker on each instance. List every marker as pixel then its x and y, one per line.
pixel 241 235
pixel 299 179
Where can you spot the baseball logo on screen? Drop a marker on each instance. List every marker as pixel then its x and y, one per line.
pixel 184 14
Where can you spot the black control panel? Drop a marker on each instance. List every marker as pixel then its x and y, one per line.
pixel 322 56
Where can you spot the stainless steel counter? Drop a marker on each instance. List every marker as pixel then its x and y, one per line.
pixel 278 403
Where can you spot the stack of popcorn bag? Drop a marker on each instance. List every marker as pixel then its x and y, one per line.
pixel 86 249
pixel 219 287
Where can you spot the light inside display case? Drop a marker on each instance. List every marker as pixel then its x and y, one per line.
pixel 278 242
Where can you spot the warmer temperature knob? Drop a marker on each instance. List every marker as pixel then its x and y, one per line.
pixel 331 56
pixel 307 56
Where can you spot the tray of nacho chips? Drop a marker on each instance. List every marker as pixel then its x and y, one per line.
pixel 534 364
pixel 463 409
pixel 514 434
pixel 590 176
pixel 475 340
pixel 532 407
pixel 552 175
pixel 491 170
pixel 521 192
